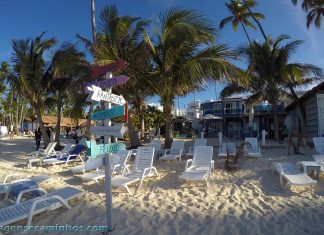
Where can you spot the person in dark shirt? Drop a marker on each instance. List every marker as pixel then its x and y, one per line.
pixel 38 138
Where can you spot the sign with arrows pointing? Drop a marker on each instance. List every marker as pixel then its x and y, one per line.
pixel 99 149
pixel 96 94
pixel 100 70
pixel 118 130
pixel 115 111
pixel 108 83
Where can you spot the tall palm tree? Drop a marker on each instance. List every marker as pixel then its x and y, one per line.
pixel 240 14
pixel 184 57
pixel 67 69
pixel 30 69
pixel 314 9
pixel 270 75
pixel 120 37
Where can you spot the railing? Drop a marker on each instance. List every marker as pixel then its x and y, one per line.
pixel 232 111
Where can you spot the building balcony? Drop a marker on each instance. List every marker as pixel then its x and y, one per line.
pixel 232 111
pixel 263 109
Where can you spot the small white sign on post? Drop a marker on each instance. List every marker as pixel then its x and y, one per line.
pixel 97 94
pixel 118 130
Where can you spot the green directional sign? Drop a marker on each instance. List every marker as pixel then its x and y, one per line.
pixel 98 149
pixel 116 111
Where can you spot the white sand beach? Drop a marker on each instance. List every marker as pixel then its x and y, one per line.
pixel 249 200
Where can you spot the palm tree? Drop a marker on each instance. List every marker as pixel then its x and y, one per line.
pixel 30 69
pixel 270 75
pixel 315 11
pixel 120 37
pixel 241 14
pixel 184 57
pixel 67 69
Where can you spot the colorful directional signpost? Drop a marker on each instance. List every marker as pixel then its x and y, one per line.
pixel 96 94
pixel 108 83
pixel 116 130
pixel 99 70
pixel 99 149
pixel 115 111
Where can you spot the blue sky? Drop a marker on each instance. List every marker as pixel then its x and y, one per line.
pixel 65 18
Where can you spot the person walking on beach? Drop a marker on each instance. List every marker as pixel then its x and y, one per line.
pixel 38 137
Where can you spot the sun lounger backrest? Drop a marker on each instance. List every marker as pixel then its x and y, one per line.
pixel 49 148
pixel 254 143
pixel 200 142
pixel 123 156
pixel 227 148
pixel 156 144
pixel 202 156
pixel 67 148
pixel 77 149
pixel 177 144
pixel 144 158
pixel 319 144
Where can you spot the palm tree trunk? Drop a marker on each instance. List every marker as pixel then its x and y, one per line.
pixel 167 108
pixel 133 136
pixel 246 33
pixel 142 114
pixel 58 118
pixel 93 22
pixel 275 120
pixel 259 25
pixel 46 139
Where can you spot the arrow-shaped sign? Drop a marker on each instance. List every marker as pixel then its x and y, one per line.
pixel 99 70
pixel 98 149
pixel 96 94
pixel 118 130
pixel 108 83
pixel 115 111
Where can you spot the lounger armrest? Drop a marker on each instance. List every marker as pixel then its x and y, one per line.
pixel 148 169
pixel 42 199
pixel 125 168
pixel 26 191
pixel 191 149
pixel 187 163
pixel 10 175
pixel 166 151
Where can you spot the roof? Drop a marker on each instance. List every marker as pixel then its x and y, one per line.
pixel 309 93
pixel 65 121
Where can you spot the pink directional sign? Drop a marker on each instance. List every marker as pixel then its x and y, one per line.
pixel 99 70
pixel 115 81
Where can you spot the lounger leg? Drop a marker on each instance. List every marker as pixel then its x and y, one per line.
pixel 155 171
pixel 128 190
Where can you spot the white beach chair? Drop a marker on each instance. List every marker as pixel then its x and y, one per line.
pixel 6 183
pixel 157 145
pixel 48 151
pixel 201 165
pixel 292 175
pixel 319 145
pixel 198 142
pixel 67 148
pixel 27 209
pixel 118 165
pixel 143 167
pixel 226 148
pixel 175 152
pixel 320 160
pixel 74 155
pixel 254 151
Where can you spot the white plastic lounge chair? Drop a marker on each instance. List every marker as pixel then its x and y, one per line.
pixel 175 152
pixel 226 148
pixel 48 151
pixel 67 148
pixel 6 183
pixel 27 209
pixel 319 145
pixel 201 165
pixel 118 164
pixel 73 156
pixel 292 175
pixel 143 167
pixel 157 145
pixel 320 160
pixel 198 142
pixel 254 150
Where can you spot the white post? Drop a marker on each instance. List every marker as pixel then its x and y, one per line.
pixel 158 133
pixel 139 135
pixel 263 137
pixel 220 138
pixel 202 134
pixel 107 160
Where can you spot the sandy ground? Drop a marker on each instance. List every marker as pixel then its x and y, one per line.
pixel 247 201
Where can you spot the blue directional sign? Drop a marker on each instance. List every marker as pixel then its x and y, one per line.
pixel 116 111
pixel 98 149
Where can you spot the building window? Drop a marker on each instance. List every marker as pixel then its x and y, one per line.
pixel 230 107
pixel 217 106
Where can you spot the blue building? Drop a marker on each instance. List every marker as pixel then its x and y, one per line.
pixel 235 120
